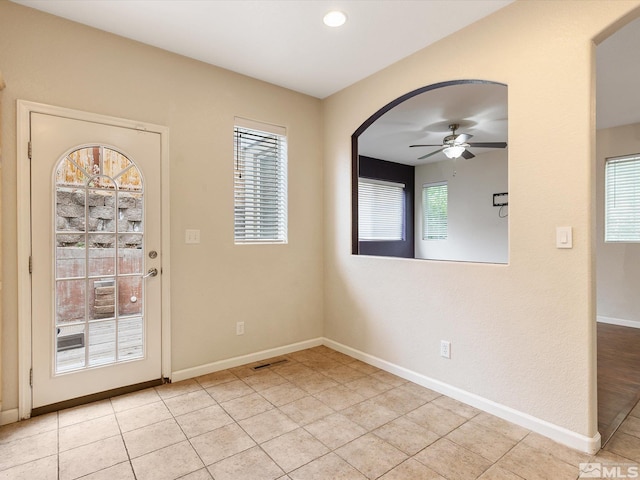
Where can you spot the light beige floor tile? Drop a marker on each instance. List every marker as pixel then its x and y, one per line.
pixel 339 397
pixel 174 389
pixel 203 421
pixel 482 440
pixel 636 411
pixel 306 410
pixel 294 449
pixel 340 357
pixel 244 371
pixel 453 461
pixel 264 380
pixel 295 371
pixel 344 374
pixel 389 378
pixel 605 456
pixel 222 443
pixel 631 426
pixel 216 378
pixel 268 425
pixel 399 400
pixel 425 394
pixel 83 413
pixel 364 367
pixel 142 416
pixel 189 402
pixel 28 449
pixel 26 428
pixel 436 419
pixel 625 445
pixel 335 430
pixel 368 386
pixel 508 429
pixel 224 392
pixel 283 394
pixel 314 383
pixel 406 435
pixel 251 464
pixel 498 473
pixel 411 470
pixel 328 467
pixel 456 407
pixel 534 464
pixel 153 437
pixel 168 463
pixel 43 469
pixel 566 454
pixel 371 455
pixel 369 415
pixel 88 432
pixel 135 399
pixel 322 364
pixel 121 471
pixel 202 474
pixel 92 458
pixel 247 406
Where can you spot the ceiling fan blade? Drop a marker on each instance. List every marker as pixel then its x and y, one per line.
pixel 462 138
pixel 489 144
pixel 467 155
pixel 438 145
pixel 429 154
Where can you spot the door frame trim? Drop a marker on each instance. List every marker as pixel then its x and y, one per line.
pixel 24 110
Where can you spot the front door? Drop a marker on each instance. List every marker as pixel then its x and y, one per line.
pixel 96 257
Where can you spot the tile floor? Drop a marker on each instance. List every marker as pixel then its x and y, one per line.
pixel 321 415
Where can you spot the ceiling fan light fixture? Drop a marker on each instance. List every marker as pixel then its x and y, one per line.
pixel 335 18
pixel 453 151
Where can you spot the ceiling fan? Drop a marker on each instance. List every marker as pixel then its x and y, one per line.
pixel 455 145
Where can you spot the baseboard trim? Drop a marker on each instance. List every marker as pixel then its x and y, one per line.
pixel 8 416
pixel 618 321
pixel 550 430
pixel 243 359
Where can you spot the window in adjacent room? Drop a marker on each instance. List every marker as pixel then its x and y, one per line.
pixel 381 210
pixel 434 211
pixel 622 199
pixel 260 183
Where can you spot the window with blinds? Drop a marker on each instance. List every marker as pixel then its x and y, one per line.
pixel 622 199
pixel 260 183
pixel 435 198
pixel 380 210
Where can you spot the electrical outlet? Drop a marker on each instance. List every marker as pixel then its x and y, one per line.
pixel 445 349
pixel 239 328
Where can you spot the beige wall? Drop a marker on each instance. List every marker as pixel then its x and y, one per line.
pixel 522 334
pixel 275 289
pixel 618 264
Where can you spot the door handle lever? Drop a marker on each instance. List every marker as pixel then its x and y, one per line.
pixel 151 273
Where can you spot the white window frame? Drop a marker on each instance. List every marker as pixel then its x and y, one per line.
pixel 622 199
pixel 260 183
pixel 392 228
pixel 442 228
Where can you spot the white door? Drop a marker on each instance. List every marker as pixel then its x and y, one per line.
pixel 95 221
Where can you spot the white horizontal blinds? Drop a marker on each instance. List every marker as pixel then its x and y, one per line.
pixel 435 211
pixel 260 183
pixel 380 210
pixel 622 199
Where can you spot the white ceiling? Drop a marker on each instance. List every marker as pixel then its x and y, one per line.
pixel 281 41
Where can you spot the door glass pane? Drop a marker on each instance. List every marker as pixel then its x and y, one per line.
pixel 99 259
pixel 130 253
pixel 130 296
pixel 130 331
pixel 102 342
pixel 70 301
pixel 70 347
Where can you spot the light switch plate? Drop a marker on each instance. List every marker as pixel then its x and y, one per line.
pixel 192 236
pixel 564 237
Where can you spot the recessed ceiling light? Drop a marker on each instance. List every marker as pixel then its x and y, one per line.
pixel 334 18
